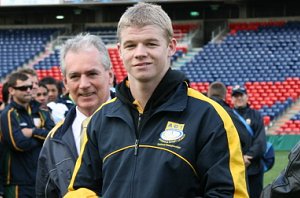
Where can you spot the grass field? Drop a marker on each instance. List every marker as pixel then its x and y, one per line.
pixel 281 160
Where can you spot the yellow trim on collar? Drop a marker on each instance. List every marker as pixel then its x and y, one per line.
pixel 138 106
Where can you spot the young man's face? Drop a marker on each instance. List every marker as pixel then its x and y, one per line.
pixel 35 84
pixel 42 95
pixel 52 92
pixel 86 79
pixel 146 53
pixel 22 92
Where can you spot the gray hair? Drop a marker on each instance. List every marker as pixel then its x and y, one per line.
pixel 83 41
pixel 142 14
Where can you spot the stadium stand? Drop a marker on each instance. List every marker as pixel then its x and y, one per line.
pixel 18 46
pixel 259 55
pixel 49 66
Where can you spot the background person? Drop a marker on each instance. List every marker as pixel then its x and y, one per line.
pixel 58 110
pixel 53 88
pixel 217 91
pixel 253 157
pixel 42 96
pixel 147 142
pixel 32 75
pixel 23 137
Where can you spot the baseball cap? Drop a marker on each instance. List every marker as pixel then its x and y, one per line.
pixel 238 90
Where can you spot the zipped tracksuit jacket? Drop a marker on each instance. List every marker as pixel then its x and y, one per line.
pixel 255 171
pixel 57 159
pixel 258 146
pixel 20 152
pixel 182 145
pixel 245 138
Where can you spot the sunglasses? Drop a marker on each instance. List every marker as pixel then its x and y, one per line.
pixel 23 88
pixel 42 94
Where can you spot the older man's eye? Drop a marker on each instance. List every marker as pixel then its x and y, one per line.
pixel 73 77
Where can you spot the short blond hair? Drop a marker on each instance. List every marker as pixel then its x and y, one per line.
pixel 143 14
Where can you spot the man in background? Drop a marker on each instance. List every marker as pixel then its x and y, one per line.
pixel 217 91
pixel 58 109
pixel 24 129
pixel 32 75
pixel 253 157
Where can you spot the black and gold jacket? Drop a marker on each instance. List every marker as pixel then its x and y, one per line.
pixel 182 145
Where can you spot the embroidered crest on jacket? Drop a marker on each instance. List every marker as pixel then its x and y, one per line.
pixel 173 133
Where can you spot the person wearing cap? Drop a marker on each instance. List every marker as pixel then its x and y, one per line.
pixel 253 157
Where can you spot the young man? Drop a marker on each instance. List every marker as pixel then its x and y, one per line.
pixel 53 88
pixel 24 129
pixel 42 96
pixel 252 157
pixel 157 138
pixel 86 68
pixel 57 108
pixel 32 75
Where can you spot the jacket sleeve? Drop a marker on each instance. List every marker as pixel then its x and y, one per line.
pixel 287 184
pixel 259 140
pixel 47 125
pixel 12 133
pixel 219 160
pixel 45 186
pixel 86 176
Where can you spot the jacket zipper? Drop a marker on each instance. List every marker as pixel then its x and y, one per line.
pixel 136 144
pixel 136 147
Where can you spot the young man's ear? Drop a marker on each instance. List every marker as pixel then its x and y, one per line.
pixel 11 91
pixel 172 47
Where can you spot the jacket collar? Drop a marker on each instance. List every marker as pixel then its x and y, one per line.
pixel 70 117
pixel 35 106
pixel 17 106
pixel 170 95
pixel 220 101
pixel 163 92
pixel 67 124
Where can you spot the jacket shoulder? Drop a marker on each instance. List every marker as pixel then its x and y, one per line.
pixel 55 129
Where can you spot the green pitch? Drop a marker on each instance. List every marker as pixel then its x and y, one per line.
pixel 281 160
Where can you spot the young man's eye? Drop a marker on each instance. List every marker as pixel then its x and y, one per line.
pixel 128 46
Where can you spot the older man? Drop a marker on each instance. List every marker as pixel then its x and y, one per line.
pixel 86 68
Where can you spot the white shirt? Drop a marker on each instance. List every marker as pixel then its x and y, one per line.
pixel 76 128
pixel 58 111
